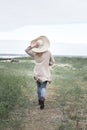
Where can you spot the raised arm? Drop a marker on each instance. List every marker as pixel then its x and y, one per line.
pixel 29 51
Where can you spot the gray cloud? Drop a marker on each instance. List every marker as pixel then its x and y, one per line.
pixel 17 13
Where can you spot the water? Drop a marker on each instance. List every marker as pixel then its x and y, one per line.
pixel 4 56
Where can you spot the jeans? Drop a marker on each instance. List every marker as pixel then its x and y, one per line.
pixel 41 89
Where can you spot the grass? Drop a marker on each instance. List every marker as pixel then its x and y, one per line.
pixel 65 106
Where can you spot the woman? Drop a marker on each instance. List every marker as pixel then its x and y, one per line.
pixel 39 50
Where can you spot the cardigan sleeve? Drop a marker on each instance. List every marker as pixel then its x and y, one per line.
pixel 29 51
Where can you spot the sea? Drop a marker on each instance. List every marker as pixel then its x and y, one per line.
pixel 11 56
pixel 6 56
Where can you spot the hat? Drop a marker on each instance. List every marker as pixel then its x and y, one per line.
pixel 44 44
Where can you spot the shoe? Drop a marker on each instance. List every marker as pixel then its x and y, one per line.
pixel 39 102
pixel 42 103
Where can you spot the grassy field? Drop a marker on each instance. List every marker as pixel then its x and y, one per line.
pixel 66 100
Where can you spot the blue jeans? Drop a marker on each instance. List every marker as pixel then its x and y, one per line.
pixel 41 89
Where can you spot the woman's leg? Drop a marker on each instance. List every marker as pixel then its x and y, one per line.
pixel 43 94
pixel 41 91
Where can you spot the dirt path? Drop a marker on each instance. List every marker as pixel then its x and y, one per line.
pixel 46 119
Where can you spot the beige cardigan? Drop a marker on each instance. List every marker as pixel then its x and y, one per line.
pixel 43 63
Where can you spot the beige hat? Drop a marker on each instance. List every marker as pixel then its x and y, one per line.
pixel 44 44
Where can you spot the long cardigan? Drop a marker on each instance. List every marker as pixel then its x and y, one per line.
pixel 43 62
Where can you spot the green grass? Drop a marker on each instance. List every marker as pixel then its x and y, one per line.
pixel 72 82
pixel 66 102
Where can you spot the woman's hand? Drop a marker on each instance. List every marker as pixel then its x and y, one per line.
pixel 35 45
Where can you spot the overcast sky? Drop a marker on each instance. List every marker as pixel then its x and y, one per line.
pixel 18 13
pixel 63 21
